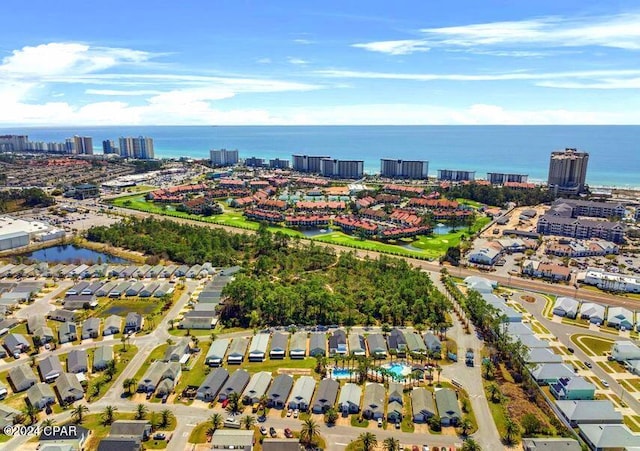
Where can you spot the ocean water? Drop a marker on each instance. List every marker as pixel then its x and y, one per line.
pixel 614 150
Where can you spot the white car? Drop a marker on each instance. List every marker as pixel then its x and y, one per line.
pixel 605 383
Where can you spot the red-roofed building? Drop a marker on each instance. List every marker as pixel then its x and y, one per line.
pixel 351 224
pixel 403 190
pixel 264 215
pixel 272 204
pixel 307 220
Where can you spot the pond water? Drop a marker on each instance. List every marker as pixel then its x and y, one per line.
pixel 310 233
pixel 442 229
pixel 68 253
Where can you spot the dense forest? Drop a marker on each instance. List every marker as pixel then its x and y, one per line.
pixel 20 199
pixel 288 281
pixel 499 196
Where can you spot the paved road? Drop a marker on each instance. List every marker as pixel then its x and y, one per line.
pixel 43 305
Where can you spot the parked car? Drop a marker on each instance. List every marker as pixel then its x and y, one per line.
pixel 159 436
pixel 588 364
pixel 379 422
pixel 296 413
pixel 263 430
pixel 570 350
pixel 288 433
pixel 272 431
pixel 289 412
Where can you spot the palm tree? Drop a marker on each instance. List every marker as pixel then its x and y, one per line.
pixel 263 402
pixel 216 421
pixel 489 368
pixel 233 405
pixel 31 412
pixel 141 412
pixel 471 445
pixel 494 392
pixel 248 421
pixel 78 413
pixel 166 417
pixel 309 432
pixel 439 370
pixel 111 369
pixel 123 340
pixel 466 426
pixel 368 441
pixel 108 414
pixel 49 422
pixel 511 428
pixel 391 444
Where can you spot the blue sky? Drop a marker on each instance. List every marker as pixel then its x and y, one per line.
pixel 133 62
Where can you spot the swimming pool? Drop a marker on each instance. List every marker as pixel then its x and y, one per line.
pixel 398 370
pixel 342 373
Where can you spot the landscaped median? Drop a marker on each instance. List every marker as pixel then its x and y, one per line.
pixel 591 345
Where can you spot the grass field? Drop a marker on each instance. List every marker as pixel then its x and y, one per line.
pixel 156 354
pixel 272 366
pixel 593 346
pixel 122 360
pixel 197 373
pixel 199 433
pixel 430 247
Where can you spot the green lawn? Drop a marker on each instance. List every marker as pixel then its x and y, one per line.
pixel 273 365
pixel 122 360
pixel 156 354
pixel 631 424
pixel 359 424
pixel 199 433
pixel 593 346
pixel 197 373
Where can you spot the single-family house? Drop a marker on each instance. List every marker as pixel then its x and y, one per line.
pixel 138 429
pixel 279 342
pixel 302 393
pixel 105 289
pixel 77 361
pixel 22 377
pixel 67 333
pixel 50 368
pixel 608 437
pixel 134 289
pixel 318 344
pixel 16 343
pixel 326 395
pixel 357 345
pixel 258 347
pixel 215 354
pixel 595 313
pixel 433 343
pixel 624 350
pixel 620 318
pixel 239 439
pixel 589 412
pixel 69 388
pixel 517 329
pixel 119 290
pixel 41 395
pixel 279 391
pixel 56 439
pixel 148 290
pixel 280 444
pixel 422 405
pixel 237 350
pixel 415 342
pixel 549 373
pixel 566 307
pixel 395 403
pixel 551 444
pixel 373 403
pixel 531 341
pixel 64 316
pixel 43 334
pixel 448 408
pixel 536 356
pixel 377 346
pixel 34 322
pixel 349 400
pixel 256 388
pixel 397 343
pixel 90 328
pixel 101 357
pixel 178 350
pixel 298 345
pixel 212 384
pixel 235 384
pixel 338 343
pixel 133 323
pixel 157 373
pixel 8 415
pixel 572 388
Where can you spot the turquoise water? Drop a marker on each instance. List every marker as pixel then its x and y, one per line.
pixel 342 373
pixel 614 150
pixel 399 370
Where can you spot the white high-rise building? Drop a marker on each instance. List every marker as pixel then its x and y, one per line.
pixel 223 157
pixel 139 148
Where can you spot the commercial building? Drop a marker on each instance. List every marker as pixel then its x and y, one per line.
pixel 609 281
pixel 308 163
pixel 254 162
pixel 456 175
pixel 568 171
pixel 18 232
pixel 500 178
pixel 407 169
pixel 224 157
pixel 82 145
pixel 138 148
pixel 343 169
pixel 550 224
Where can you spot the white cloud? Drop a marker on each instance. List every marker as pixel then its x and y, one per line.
pixel 303 41
pixel 297 61
pixel 401 47
pixel 264 61
pixel 121 92
pixel 516 38
pixel 605 83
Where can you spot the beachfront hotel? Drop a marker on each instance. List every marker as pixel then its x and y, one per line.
pixel 454 175
pixel 343 169
pixel 308 163
pixel 139 148
pixel 82 145
pixel 224 157
pixel 568 171
pixel 406 169
pixel 500 178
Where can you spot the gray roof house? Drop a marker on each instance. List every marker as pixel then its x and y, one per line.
pixel 531 341
pixel 373 404
pixel 139 429
pixel 279 342
pixel 257 386
pixel 148 290
pixel 212 384
pixel 239 439
pixel 395 402
pixel 157 373
pixel 235 384
pixel 605 437
pixel 67 332
pixel 41 395
pixel 302 393
pixel 415 343
pixel 625 350
pixel 134 289
pixel 101 357
pixel 548 373
pixel 620 317
pixel 22 377
pixel 566 306
pixel 279 391
pixel 595 313
pixel 326 395
pixel 338 343
pixel 69 388
pixel 77 361
pixel 92 288
pixel 16 343
pixel 357 344
pixel 91 328
pixel 422 405
pixel 298 345
pixel 7 415
pixel 542 355
pixel 176 351
pixel 80 301
pixel 35 321
pixel 50 368
pixel 132 322
pixel 448 407
pixel 215 354
pixel 397 342
pixel 44 333
pixel 589 412
pixel 432 342
pixel 105 289
pixel 318 344
pixel 377 346
pixel 349 401
pixel 550 444
pixel 517 329
pixel 237 350
pixel 118 290
pixel 258 347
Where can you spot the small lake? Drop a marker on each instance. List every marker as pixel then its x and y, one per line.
pixel 442 229
pixel 69 253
